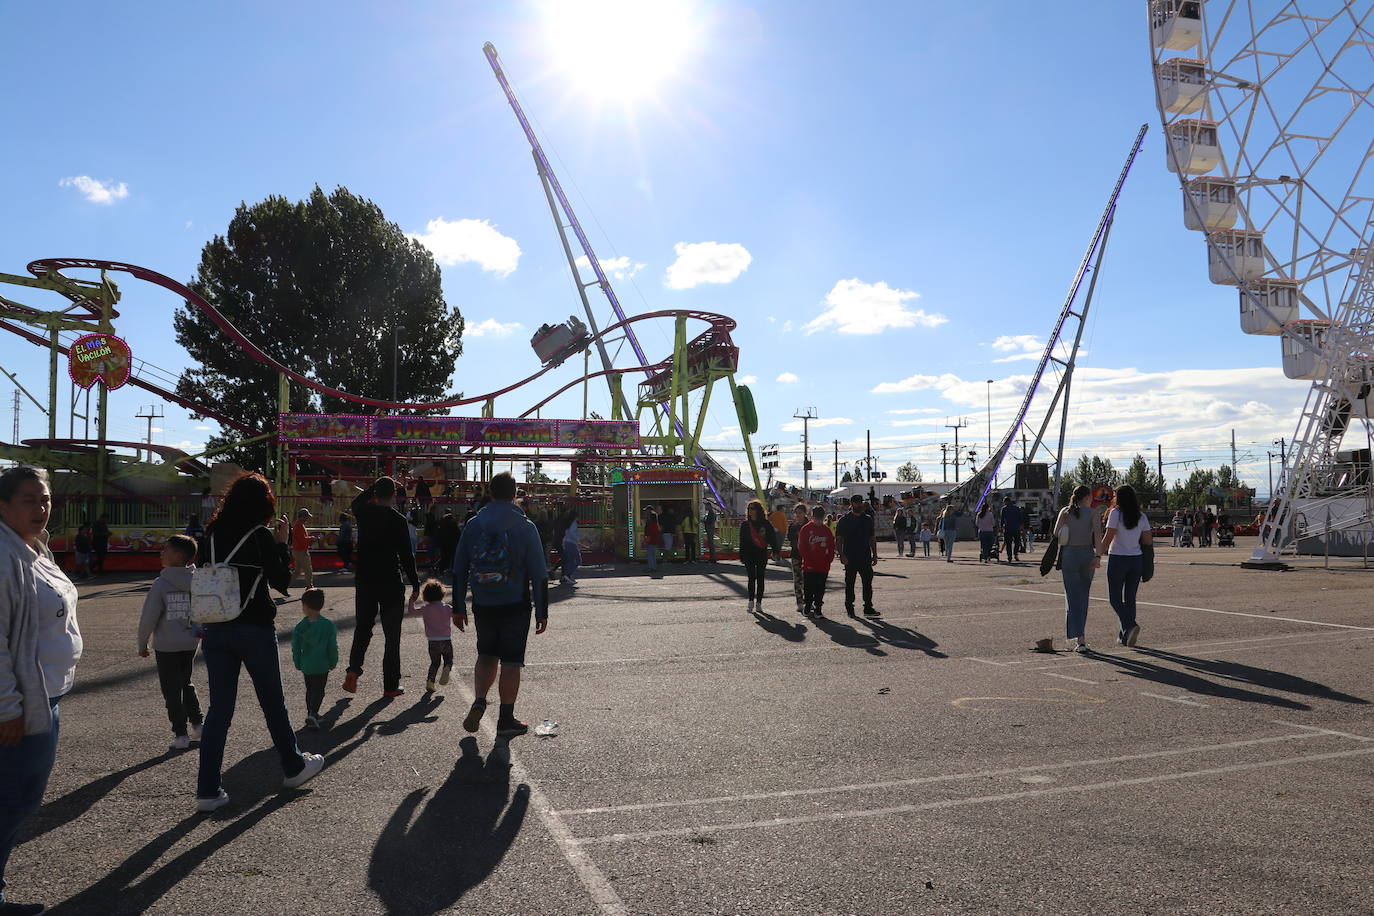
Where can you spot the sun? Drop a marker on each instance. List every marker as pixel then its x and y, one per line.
pixel 619 50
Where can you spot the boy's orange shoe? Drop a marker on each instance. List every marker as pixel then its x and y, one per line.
pixel 350 683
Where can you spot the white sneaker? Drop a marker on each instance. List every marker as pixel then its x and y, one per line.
pixel 211 804
pixel 196 732
pixel 313 764
pixel 1081 648
pixel 181 742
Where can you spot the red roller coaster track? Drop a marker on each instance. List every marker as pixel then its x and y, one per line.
pixel 721 325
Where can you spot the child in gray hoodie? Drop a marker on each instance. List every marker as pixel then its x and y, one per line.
pixel 166 618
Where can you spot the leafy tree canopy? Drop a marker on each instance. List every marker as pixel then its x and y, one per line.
pixel 909 473
pixel 324 286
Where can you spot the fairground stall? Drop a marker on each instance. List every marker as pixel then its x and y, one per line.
pixel 444 462
pixel 634 491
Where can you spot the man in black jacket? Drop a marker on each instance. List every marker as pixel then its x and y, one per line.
pixel 383 555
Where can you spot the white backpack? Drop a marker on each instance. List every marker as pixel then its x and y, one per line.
pixel 215 593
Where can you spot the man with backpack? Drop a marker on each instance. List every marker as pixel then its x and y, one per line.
pixel 384 554
pixel 501 561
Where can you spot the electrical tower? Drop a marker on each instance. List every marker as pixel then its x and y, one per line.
pixel 956 426
pixel 154 413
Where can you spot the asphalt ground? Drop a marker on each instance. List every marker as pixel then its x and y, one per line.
pixel 711 760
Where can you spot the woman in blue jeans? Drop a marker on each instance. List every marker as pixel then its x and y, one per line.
pixel 1128 530
pixel 39 648
pixel 1076 528
pixel 237 535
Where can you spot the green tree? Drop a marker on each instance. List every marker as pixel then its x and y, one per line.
pixel 1092 471
pixel 1148 484
pixel 1191 492
pixel 325 286
pixel 909 473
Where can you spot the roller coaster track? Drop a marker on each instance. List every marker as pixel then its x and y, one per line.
pixel 721 325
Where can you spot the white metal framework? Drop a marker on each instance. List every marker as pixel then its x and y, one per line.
pixel 1269 124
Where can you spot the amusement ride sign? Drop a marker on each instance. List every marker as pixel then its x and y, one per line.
pixel 100 358
pixel 402 430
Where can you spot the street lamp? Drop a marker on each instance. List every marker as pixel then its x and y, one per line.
pixel 989 416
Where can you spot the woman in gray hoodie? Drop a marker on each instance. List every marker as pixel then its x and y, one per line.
pixel 39 647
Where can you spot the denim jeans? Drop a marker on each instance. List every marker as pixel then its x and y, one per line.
pixel 24 770
pixel 949 536
pixel 228 647
pixel 1123 578
pixel 572 558
pixel 1076 566
pixel 653 557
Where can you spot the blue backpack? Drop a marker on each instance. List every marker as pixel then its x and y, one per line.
pixel 491 566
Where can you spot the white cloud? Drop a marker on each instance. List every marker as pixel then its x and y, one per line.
pixel 621 268
pixel 855 307
pixel 788 378
pixel 467 241
pixel 747 380
pixel 796 425
pixel 203 427
pixel 706 262
pixel 490 327
pixel 916 410
pixel 97 192
pixel 787 326
pixel 1008 343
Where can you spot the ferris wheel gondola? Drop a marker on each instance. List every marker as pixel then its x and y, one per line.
pixel 1269 125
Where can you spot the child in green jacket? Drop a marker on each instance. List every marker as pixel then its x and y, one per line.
pixel 314 652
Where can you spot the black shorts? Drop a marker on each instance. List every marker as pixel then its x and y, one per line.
pixel 502 631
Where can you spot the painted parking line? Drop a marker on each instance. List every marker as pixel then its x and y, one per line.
pixel 945 777
pixel 1206 610
pixel 597 885
pixel 1180 699
pixel 945 804
pixel 1323 731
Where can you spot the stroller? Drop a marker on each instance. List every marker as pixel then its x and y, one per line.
pixel 1186 539
pixel 1226 536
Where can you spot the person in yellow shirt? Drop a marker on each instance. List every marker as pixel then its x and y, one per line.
pixel 688 529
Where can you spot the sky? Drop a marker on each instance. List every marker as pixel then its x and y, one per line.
pixel 889 198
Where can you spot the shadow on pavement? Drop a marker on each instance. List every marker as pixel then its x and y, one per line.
pixel 792 632
pixel 902 637
pixel 471 821
pixel 62 811
pixel 1259 677
pixel 845 635
pixel 254 787
pixel 249 783
pixel 1172 677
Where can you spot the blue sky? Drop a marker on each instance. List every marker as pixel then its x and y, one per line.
pixel 926 175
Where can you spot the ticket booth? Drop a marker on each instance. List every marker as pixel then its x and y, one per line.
pixel 635 490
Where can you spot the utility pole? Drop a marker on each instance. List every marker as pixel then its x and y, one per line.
pixel 956 427
pixel 1283 453
pixel 837 464
pixel 14 439
pixel 868 454
pixel 1159 461
pixel 806 415
pixel 1233 455
pixel 154 413
pixel 1271 476
pixel 944 474
pixel 1024 458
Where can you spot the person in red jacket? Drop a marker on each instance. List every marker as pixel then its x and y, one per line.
pixel 817 545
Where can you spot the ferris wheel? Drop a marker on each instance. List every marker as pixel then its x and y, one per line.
pixel 1269 124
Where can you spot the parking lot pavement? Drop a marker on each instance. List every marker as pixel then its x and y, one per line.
pixel 714 760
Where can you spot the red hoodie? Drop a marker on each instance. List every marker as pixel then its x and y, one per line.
pixel 817 545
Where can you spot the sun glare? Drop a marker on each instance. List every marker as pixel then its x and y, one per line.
pixel 619 50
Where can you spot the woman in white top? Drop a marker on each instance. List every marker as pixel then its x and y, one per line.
pixel 1128 530
pixel 39 647
pixel 1076 528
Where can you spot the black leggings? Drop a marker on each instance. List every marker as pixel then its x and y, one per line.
pixel 755 569
pixel 440 650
